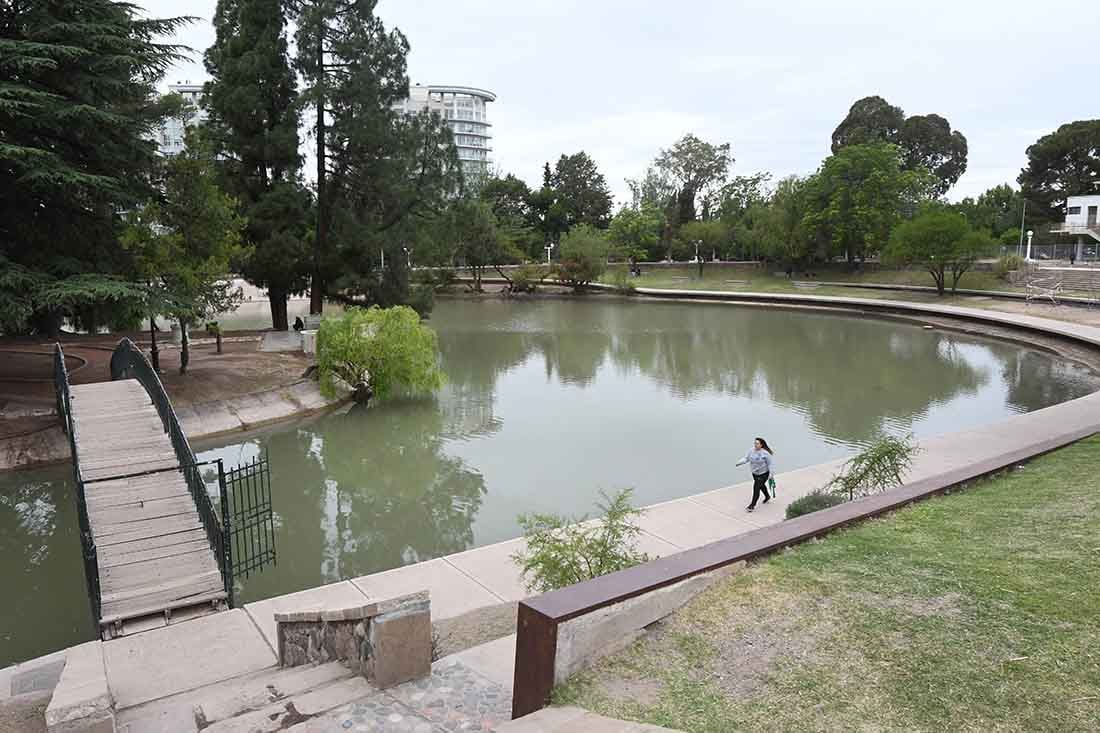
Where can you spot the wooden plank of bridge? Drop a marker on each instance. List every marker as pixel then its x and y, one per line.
pixel 152 548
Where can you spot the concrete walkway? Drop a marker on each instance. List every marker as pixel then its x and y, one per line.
pixel 167 661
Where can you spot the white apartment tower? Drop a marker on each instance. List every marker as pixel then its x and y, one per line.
pixel 170 136
pixel 465 109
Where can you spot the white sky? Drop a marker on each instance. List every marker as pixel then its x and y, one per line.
pixel 620 80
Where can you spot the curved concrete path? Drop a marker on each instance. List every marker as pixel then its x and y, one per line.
pixel 166 661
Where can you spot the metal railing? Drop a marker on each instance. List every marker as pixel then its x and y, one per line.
pixel 127 362
pixel 87 541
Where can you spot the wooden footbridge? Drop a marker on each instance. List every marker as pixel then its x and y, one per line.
pixel 153 540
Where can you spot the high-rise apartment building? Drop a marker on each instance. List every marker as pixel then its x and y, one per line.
pixel 465 109
pixel 170 136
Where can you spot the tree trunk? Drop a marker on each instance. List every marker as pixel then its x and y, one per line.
pixel 277 300
pixel 154 352
pixel 185 347
pixel 317 285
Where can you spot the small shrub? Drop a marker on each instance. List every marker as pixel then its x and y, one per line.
pixel 812 502
pixel 527 278
pixel 620 280
pixel 1007 264
pixel 584 252
pixel 439 279
pixel 879 467
pixel 562 551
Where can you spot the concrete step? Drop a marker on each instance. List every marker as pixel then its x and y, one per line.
pixel 195 710
pixel 291 712
pixel 570 719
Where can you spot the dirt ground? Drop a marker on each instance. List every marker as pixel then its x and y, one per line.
pixel 26 373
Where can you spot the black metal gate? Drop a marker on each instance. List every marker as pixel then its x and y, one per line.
pixel 247 518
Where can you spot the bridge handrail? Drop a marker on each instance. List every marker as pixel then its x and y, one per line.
pixel 89 553
pixel 128 361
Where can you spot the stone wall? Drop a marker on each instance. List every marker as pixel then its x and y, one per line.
pixel 388 642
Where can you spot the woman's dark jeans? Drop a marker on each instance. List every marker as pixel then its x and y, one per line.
pixel 759 487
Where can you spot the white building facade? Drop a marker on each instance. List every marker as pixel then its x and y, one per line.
pixel 1083 222
pixel 466 112
pixel 170 137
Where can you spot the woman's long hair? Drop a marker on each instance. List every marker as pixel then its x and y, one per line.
pixel 765 446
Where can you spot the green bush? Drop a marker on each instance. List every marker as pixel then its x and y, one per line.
pixel 527 278
pixel 878 467
pixel 584 251
pixel 620 280
pixel 1007 264
pixel 561 551
pixel 441 279
pixel 374 351
pixel 812 502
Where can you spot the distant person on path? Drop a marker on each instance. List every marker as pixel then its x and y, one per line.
pixel 299 324
pixel 760 463
pixel 1072 257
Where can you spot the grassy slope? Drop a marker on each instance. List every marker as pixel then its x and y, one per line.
pixel 761 280
pixel 975 611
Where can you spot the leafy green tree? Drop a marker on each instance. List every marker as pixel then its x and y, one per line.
pixel 1063 163
pixel 186 242
pixel 509 198
pixel 698 169
pixel 375 351
pixel 870 120
pixel 478 239
pixel 997 211
pixel 858 195
pixel 573 192
pixel 253 129
pixel 77 113
pixel 584 251
pixel 711 236
pixel 926 141
pixel 636 232
pixel 782 231
pixel 940 241
pixel 879 467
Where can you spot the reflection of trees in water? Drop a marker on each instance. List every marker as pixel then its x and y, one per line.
pixel 1036 380
pixel 848 377
pixel 40 562
pixel 380 488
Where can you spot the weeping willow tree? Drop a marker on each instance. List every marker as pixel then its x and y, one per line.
pixel 375 351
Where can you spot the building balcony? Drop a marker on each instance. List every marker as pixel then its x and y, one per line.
pixel 1077 229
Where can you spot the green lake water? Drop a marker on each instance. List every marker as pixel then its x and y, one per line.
pixel 546 403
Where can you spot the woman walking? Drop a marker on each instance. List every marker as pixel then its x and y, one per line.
pixel 760 463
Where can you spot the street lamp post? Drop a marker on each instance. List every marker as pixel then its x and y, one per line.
pixel 549 247
pixel 1027 257
pixel 408 257
pixel 699 259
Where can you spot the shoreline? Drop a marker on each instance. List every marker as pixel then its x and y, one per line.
pixel 485 577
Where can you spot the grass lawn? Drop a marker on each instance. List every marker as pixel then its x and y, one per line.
pixel 763 280
pixel 977 611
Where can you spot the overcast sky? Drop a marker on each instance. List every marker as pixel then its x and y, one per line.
pixel 620 80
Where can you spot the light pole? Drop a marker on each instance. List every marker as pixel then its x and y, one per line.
pixel 1027 258
pixel 699 259
pixel 408 257
pixel 549 247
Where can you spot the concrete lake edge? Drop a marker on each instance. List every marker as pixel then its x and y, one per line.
pixel 485 575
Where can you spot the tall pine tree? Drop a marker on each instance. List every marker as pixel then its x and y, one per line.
pixel 77 112
pixel 253 126
pixel 378 171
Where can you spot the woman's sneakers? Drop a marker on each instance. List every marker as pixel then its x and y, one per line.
pixel 750 508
